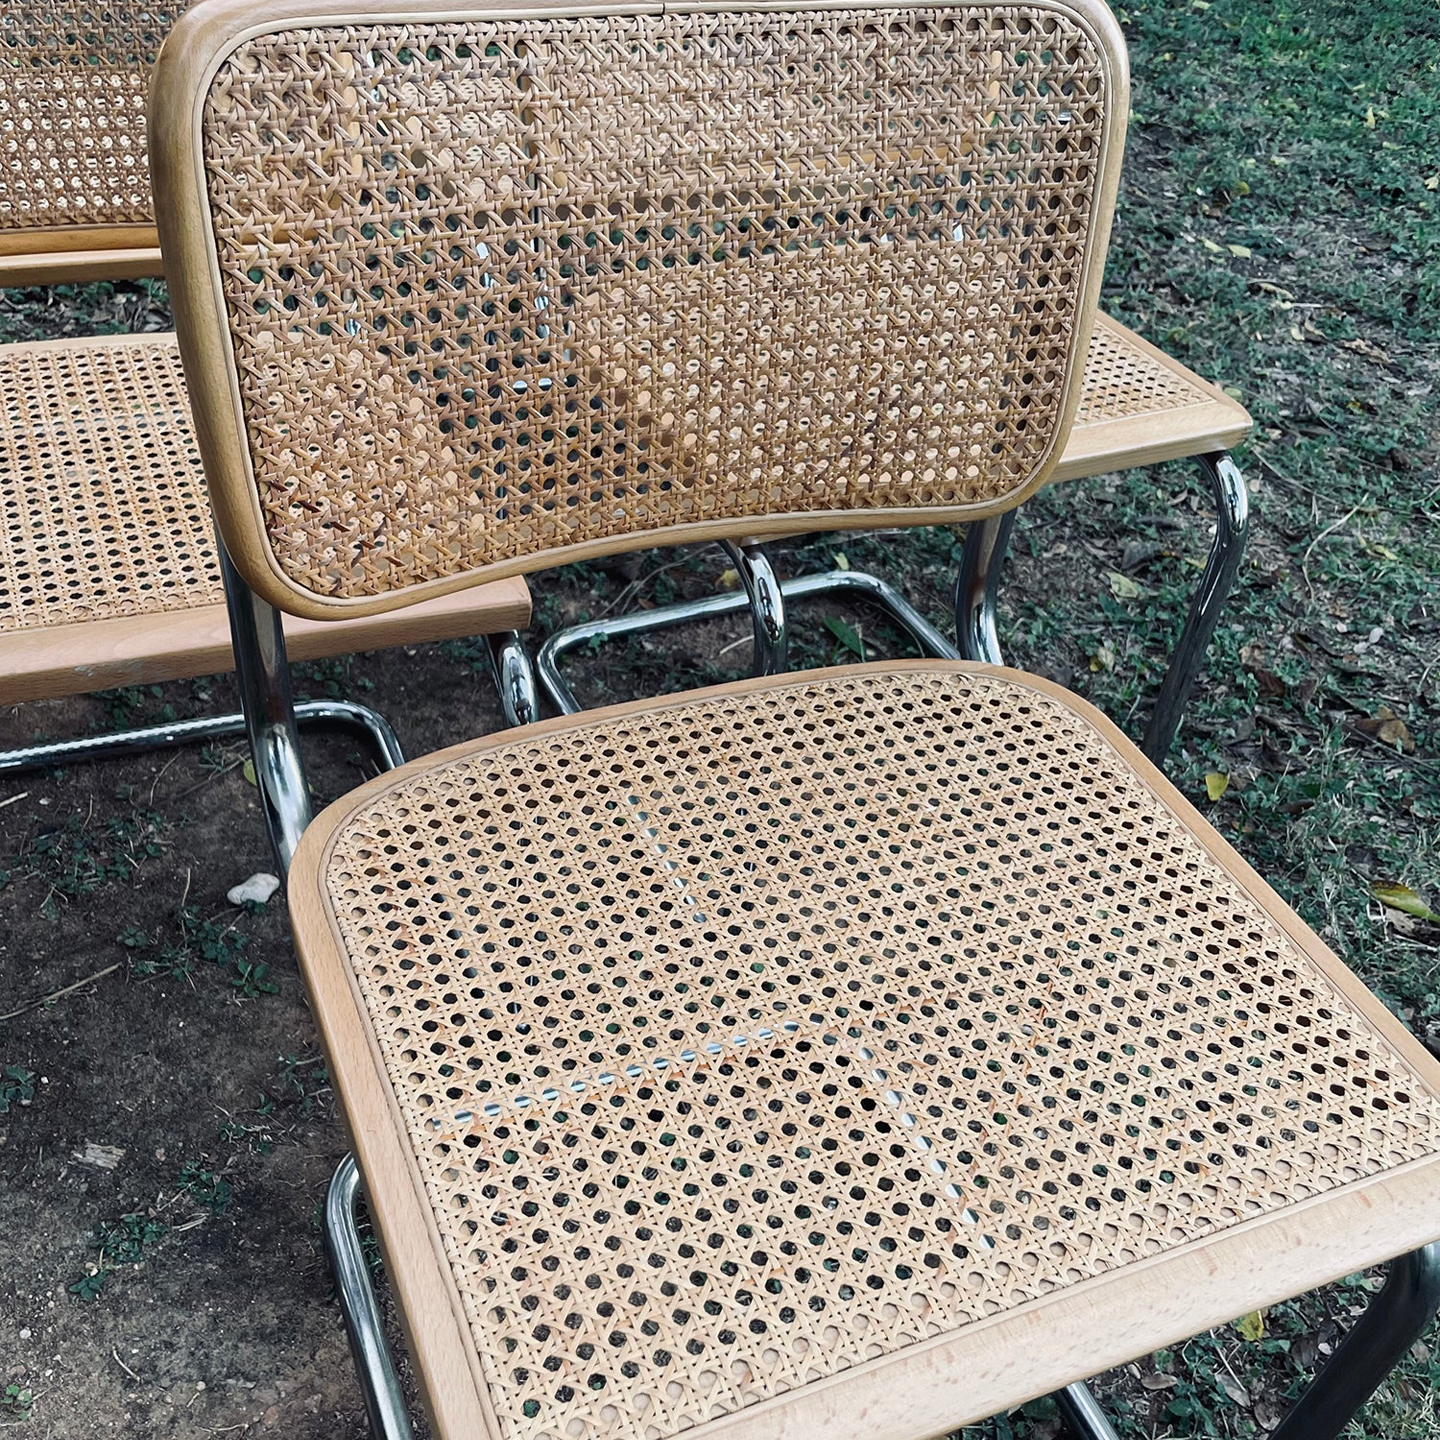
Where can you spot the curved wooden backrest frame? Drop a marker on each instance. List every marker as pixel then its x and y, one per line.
pixel 75 201
pixel 450 311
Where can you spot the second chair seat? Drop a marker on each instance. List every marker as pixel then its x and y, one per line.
pixel 108 569
pixel 854 1053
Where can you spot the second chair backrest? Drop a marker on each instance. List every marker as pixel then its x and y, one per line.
pixel 75 201
pixel 461 297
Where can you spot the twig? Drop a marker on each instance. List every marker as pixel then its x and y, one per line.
pixel 213 775
pixel 160 774
pixel 1328 530
pixel 10 800
pixel 57 994
pixel 1395 754
pixel 637 585
pixel 115 1355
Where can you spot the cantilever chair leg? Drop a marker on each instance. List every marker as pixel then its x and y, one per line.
pixel 514 677
pixel 340 714
pixel 1377 1341
pixel 1232 521
pixel 987 542
pixel 384 1399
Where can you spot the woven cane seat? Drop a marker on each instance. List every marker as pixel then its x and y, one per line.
pixel 1138 407
pixel 108 568
pixel 104 505
pixel 861 1051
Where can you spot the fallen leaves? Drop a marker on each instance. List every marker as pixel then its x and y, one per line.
pixel 1103 658
pixel 1216 784
pixel 1389 729
pixel 1405 900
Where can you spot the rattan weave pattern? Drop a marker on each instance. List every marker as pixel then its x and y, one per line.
pixel 1122 381
pixel 602 275
pixel 751 1038
pixel 73 80
pixel 103 509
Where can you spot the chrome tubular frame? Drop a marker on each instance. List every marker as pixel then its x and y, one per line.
pixel 384 1398
pixel 342 714
pixel 514 678
pixel 767 607
pixel 258 639
pixel 986 545
pixel 1227 549
pixel 709 607
pixel 987 542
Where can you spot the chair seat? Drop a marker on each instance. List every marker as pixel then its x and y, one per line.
pixel 855 1053
pixel 108 569
pixel 1138 407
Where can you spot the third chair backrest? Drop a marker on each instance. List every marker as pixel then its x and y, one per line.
pixel 500 293
pixel 75 200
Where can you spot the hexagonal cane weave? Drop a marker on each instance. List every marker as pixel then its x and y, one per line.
pixel 757 1036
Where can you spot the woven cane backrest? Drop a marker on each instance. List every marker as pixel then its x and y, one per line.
pixel 73 79
pixel 504 292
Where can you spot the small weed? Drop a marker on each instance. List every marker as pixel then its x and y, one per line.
pixel 16 1402
pixel 199 939
pixel 116 1243
pixel 303 1081
pixel 259 1139
pixel 75 859
pixel 205 1187
pixel 17 1087
pixel 123 706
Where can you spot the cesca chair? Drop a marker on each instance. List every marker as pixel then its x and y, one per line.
pixel 857 1052
pixel 109 572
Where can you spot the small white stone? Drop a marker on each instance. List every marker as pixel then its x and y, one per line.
pixel 25 1334
pixel 259 888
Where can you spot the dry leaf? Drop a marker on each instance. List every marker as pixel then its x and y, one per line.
pixel 1158 1382
pixel 1389 729
pixel 1123 587
pixel 1103 658
pixel 842 560
pixel 1240 252
pixel 1403 898
pixel 1237 1393
pixel 1252 1326
pixel 1216 784
pixel 729 579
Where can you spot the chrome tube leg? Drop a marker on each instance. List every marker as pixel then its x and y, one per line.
pixel 384 1399
pixel 264 676
pixel 1391 1324
pixel 1083 1416
pixel 767 607
pixel 1232 506
pixel 986 542
pixel 514 677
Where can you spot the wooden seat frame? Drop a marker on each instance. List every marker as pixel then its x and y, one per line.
pixel 238 230
pixel 75 207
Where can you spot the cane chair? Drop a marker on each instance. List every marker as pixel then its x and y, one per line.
pixel 109 572
pixel 857 1052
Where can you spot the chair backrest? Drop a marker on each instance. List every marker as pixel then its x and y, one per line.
pixel 75 198
pixel 460 297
